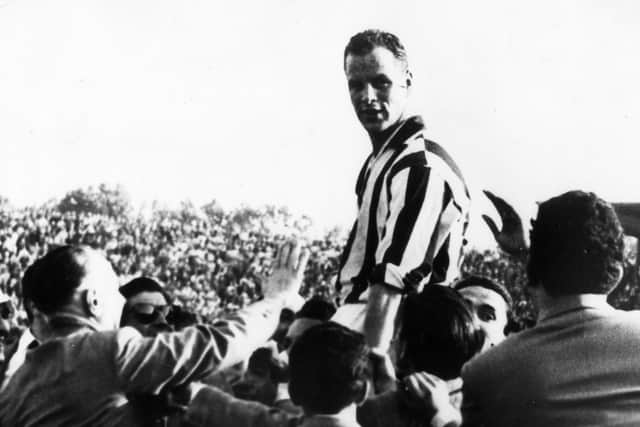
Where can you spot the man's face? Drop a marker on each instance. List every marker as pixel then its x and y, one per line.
pixel 147 312
pixel 379 88
pixel 101 278
pixel 489 311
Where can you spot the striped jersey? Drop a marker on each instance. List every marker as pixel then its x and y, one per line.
pixel 413 211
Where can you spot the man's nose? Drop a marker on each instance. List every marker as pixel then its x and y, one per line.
pixel 369 94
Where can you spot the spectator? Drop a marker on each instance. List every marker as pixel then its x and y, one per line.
pixel 329 374
pixel 81 371
pixel 578 365
pixel 29 336
pixel 491 305
pixel 437 338
pixel 147 306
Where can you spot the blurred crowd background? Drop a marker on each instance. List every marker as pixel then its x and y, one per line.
pixel 212 260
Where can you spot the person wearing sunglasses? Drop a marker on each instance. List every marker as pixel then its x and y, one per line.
pixel 147 306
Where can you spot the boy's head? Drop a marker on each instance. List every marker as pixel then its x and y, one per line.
pixel 329 369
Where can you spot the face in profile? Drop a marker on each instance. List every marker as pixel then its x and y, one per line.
pixel 379 86
pixel 147 312
pixel 489 312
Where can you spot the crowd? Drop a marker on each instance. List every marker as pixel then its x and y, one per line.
pixel 195 318
pixel 209 264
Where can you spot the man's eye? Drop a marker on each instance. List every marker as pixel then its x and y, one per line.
pixel 355 86
pixel 381 84
pixel 486 315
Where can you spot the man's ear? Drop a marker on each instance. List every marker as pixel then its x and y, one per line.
pixel 364 393
pixel 409 78
pixel 92 303
pixel 620 273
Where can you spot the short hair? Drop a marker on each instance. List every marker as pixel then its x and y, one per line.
pixel 143 284
pixel 577 245
pixel 51 280
pixel 364 42
pixel 317 308
pixel 486 283
pixel 328 368
pixel 438 332
pixel 263 362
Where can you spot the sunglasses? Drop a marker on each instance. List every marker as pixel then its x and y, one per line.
pixel 6 311
pixel 149 313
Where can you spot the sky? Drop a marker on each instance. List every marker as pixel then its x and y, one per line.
pixel 246 101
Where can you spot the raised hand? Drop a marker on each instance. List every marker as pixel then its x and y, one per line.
pixel 429 394
pixel 288 271
pixel 511 238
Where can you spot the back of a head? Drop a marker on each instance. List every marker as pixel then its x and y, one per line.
pixel 328 368
pixel 576 246
pixel 364 42
pixel 50 282
pixel 438 334
pixel 317 308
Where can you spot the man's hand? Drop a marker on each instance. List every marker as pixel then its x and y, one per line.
pixel 288 271
pixel 430 395
pixel 511 238
pixel 383 372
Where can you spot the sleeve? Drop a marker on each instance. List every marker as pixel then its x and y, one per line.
pixel 420 217
pixel 212 407
pixel 471 410
pixel 147 365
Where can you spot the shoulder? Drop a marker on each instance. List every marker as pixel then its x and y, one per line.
pixel 494 360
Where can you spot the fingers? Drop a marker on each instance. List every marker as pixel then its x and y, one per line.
pixel 500 204
pixel 294 254
pixel 283 255
pixel 491 224
pixel 302 261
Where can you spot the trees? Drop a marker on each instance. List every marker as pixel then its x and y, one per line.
pixel 112 201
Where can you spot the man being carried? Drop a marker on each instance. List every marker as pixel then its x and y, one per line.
pixel 412 200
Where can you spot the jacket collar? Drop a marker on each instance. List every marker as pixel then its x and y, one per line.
pixel 559 306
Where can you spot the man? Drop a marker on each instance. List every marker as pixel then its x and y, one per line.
pixel 579 365
pixel 440 338
pixel 28 339
pixel 437 338
pixel 147 307
pixel 83 368
pixel 329 372
pixel 413 202
pixel 491 305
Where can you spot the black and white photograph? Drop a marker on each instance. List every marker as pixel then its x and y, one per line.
pixel 319 214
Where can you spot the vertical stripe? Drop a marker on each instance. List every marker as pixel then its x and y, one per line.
pixel 415 194
pixel 360 281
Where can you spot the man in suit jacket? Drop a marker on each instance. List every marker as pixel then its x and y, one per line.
pixel 579 365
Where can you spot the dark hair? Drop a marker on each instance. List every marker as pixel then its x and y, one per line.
pixel 438 333
pixel 51 281
pixel 365 41
pixel 329 368
pixel 576 245
pixel 486 283
pixel 264 363
pixel 143 284
pixel 317 308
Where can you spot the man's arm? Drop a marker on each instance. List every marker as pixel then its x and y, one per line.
pixel 173 359
pixel 421 213
pixel 212 407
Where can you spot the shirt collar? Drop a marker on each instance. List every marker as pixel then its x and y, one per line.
pixel 406 129
pixel 555 307
pixel 345 418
